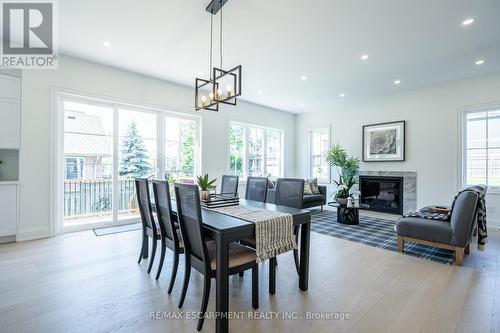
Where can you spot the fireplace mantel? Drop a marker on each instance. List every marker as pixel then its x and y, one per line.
pixel 409 185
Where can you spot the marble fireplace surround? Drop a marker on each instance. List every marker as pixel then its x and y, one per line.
pixel 409 185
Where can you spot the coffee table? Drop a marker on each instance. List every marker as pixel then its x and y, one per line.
pixel 347 215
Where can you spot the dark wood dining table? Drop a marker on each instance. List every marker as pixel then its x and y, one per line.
pixel 225 229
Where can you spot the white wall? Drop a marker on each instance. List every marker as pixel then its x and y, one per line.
pixel 432 134
pixel 97 79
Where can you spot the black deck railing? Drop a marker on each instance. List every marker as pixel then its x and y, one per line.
pixel 94 197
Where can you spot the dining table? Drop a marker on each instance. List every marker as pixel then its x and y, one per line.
pixel 224 229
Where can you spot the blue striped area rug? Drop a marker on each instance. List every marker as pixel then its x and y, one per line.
pixel 374 232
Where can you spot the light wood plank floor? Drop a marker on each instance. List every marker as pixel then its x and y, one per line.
pixel 82 283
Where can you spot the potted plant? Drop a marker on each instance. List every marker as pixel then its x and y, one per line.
pixel 348 170
pixel 205 186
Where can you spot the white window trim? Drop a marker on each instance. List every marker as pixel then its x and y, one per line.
pixel 462 139
pixel 245 148
pixel 309 152
pixel 58 95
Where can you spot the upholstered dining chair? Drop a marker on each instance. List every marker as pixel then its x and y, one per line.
pixel 229 185
pixel 170 235
pixel 149 227
pixel 256 189
pixel 201 255
pixel 289 192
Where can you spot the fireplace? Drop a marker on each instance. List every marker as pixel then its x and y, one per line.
pixel 382 194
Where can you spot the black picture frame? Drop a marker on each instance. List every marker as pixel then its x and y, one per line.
pixel 401 145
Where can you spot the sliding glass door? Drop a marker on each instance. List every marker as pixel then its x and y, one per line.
pixel 108 145
pixel 88 162
pixel 136 156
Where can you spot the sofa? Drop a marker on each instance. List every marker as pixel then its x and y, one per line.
pixel 308 201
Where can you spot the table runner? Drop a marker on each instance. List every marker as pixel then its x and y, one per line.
pixel 273 230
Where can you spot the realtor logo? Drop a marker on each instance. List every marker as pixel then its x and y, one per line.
pixel 28 34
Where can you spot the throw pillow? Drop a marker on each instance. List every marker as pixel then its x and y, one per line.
pixel 307 189
pixel 313 184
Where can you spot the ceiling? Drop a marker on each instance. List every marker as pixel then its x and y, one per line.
pixel 418 42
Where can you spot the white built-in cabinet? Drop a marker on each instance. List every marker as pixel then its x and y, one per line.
pixel 10 112
pixel 8 209
pixel 10 139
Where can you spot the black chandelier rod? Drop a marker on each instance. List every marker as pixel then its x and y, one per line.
pixel 216 5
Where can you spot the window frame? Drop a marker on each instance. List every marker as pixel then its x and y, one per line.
pixel 246 126
pixel 58 97
pixel 309 159
pixel 495 189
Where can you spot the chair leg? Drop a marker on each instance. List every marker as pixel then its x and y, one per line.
pixel 143 247
pixel 187 274
pixel 296 251
pixel 467 248
pixel 153 253
pixel 174 272
pixel 162 258
pixel 321 207
pixel 204 302
pixel 241 274
pixel 459 256
pixel 401 244
pixel 475 231
pixel 255 286
pixel 272 275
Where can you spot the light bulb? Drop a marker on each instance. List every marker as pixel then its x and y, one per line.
pixel 229 90
pixel 211 95
pixel 203 100
pixel 219 93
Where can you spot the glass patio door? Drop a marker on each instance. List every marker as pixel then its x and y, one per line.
pixel 88 163
pixel 107 146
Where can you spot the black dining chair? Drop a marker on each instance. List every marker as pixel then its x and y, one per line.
pixel 149 227
pixel 201 255
pixel 256 189
pixel 170 235
pixel 229 185
pixel 290 193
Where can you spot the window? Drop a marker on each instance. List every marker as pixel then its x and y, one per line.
pixel 255 151
pixel 482 147
pixel 107 145
pixel 180 149
pixel 319 141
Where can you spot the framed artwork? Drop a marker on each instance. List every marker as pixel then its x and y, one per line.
pixel 384 142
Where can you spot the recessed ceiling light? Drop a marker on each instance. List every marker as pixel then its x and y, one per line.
pixel 303 77
pixel 364 57
pixel 469 21
pixel 106 44
pixel 480 62
pixel 397 81
pixel 261 92
pixel 342 95
pixel 301 105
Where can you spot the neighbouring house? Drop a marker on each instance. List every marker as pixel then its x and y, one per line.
pixel 87 148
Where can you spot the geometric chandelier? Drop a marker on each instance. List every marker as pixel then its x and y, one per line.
pixel 223 86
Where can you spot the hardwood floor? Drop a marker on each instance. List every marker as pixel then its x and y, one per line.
pixel 82 283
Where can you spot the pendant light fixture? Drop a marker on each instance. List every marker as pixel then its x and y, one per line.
pixel 223 86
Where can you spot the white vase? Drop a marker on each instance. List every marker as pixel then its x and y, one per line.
pixel 342 201
pixel 205 195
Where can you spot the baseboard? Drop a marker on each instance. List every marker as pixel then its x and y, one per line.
pixel 7 239
pixel 32 234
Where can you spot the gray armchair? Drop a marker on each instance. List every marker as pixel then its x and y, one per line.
pixel 452 235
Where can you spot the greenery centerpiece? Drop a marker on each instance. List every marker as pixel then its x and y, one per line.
pixel 205 186
pixel 348 170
